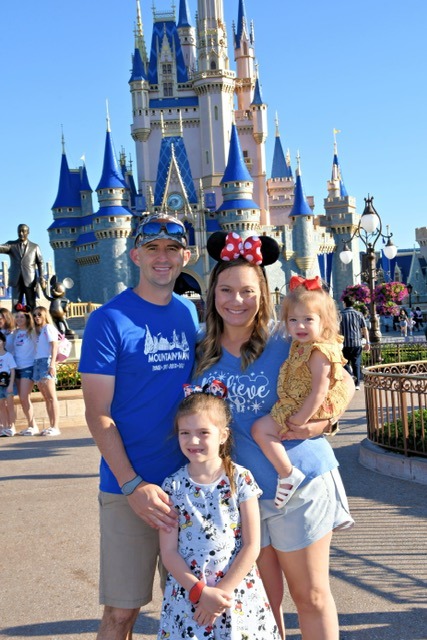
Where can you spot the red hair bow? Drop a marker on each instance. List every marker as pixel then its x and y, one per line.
pixel 21 307
pixel 309 284
pixel 235 247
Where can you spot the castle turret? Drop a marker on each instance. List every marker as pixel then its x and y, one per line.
pixel 303 227
pixel 244 56
pixel 238 211
pixel 342 219
pixel 187 36
pixel 280 187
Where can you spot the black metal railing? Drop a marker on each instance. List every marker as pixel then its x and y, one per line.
pixel 396 406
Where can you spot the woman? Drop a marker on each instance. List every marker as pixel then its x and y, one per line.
pixel 45 366
pixel 24 348
pixel 7 327
pixel 239 350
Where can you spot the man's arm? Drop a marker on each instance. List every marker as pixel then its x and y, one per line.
pixel 40 266
pixel 148 501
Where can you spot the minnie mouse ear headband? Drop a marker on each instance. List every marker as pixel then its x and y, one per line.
pixel 22 307
pixel 260 250
pixel 214 388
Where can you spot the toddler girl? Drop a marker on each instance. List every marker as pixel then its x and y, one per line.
pixel 310 384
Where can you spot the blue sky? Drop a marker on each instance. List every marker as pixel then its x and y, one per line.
pixel 355 66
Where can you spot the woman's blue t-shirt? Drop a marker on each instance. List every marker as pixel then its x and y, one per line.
pixel 251 394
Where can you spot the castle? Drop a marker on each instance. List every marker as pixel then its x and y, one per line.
pixel 199 129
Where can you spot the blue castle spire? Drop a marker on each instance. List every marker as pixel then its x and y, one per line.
pixel 237 184
pixel 70 185
pixel 184 14
pixel 236 168
pixel 257 99
pixel 337 174
pixel 301 206
pixel 138 69
pixel 280 167
pixel 241 23
pixel 111 177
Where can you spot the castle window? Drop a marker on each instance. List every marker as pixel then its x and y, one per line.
pixel 111 219
pixel 167 89
pixel 110 190
pixel 97 220
pixel 216 112
pixel 70 209
pixel 58 231
pixel 167 68
pixel 207 157
pixel 213 65
pixel 59 210
pixel 73 230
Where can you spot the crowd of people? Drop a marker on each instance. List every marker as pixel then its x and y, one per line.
pixel 28 348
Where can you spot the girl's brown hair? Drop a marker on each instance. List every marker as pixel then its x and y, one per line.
pixel 9 321
pixel 220 414
pixel 318 301
pixel 209 350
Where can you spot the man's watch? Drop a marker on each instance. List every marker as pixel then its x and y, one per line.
pixel 129 487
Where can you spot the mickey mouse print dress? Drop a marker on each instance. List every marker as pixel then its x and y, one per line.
pixel 209 538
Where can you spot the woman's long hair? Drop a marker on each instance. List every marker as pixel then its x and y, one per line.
pixel 220 414
pixel 45 315
pixel 209 350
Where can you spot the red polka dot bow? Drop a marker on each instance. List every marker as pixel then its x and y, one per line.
pixel 235 247
pixel 309 284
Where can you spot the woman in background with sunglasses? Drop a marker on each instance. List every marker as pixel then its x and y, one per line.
pixel 45 366
pixel 24 345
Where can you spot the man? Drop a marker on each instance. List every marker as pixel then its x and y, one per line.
pixel 353 328
pixel 26 267
pixel 138 351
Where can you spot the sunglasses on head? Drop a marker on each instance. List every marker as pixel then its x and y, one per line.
pixel 154 228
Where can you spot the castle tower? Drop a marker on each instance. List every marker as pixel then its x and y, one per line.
pixel 303 229
pixel 244 55
pixel 342 220
pixel 280 187
pixel 111 235
pixel 187 37
pixel 214 84
pixel 238 211
pixel 71 210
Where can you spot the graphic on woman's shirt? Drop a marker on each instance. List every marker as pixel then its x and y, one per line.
pixel 246 392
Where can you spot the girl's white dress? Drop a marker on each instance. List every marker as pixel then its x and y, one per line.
pixel 209 539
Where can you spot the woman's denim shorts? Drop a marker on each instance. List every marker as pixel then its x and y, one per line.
pixel 26 372
pixel 41 370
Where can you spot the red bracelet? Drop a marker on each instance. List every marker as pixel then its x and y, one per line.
pixel 196 591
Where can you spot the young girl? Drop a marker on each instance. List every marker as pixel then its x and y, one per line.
pixel 24 344
pixel 310 384
pixel 7 379
pixel 213 590
pixel 45 366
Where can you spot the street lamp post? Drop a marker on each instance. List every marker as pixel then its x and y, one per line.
pixel 369 230
pixel 410 288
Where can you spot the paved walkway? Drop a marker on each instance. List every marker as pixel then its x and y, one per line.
pixel 49 534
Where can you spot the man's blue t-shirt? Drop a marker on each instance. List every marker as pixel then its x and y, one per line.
pixel 251 394
pixel 149 349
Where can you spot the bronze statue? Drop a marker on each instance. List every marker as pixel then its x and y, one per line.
pixel 26 267
pixel 58 306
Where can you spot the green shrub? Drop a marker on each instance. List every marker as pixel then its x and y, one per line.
pixel 393 435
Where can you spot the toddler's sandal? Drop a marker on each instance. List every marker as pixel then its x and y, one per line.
pixel 286 487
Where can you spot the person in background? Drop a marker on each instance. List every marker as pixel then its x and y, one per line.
pixel 7 380
pixel 24 346
pixel 45 367
pixel 7 327
pixel 213 588
pixel 241 348
pixel 403 323
pixel 418 318
pixel 354 330
pixel 137 352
